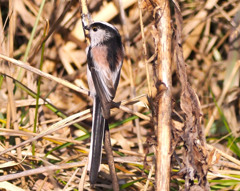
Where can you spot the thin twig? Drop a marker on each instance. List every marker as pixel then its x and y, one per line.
pixel 84 173
pixel 108 148
pixel 149 177
pixel 70 180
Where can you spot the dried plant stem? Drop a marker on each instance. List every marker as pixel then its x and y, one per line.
pixel 10 85
pixel 3 66
pixel 110 10
pixel 70 180
pixel 8 123
pixel 84 8
pixel 36 117
pixel 55 127
pixel 46 75
pixel 132 83
pixel 41 170
pixel 225 155
pixel 144 50
pixel 149 176
pixel 108 148
pixel 46 101
pixel 163 39
pixel 84 174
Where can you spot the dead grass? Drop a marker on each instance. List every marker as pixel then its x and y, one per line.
pixel 50 152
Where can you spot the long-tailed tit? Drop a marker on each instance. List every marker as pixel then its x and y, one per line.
pixel 105 57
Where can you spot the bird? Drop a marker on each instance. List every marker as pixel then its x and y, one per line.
pixel 105 58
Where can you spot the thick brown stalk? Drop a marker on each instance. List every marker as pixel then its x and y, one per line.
pixel 164 86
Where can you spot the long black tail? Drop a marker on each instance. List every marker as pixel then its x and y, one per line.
pixel 95 155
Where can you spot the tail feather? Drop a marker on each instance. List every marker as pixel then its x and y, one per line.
pixel 95 155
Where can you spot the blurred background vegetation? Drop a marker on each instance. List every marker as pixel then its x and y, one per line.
pixel 47 35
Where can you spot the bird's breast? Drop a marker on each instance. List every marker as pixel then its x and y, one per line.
pixel 100 56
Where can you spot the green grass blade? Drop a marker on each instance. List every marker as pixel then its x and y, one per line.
pixel 231 139
pixel 124 186
pixel 31 37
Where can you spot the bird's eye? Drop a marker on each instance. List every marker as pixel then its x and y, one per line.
pixel 95 29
